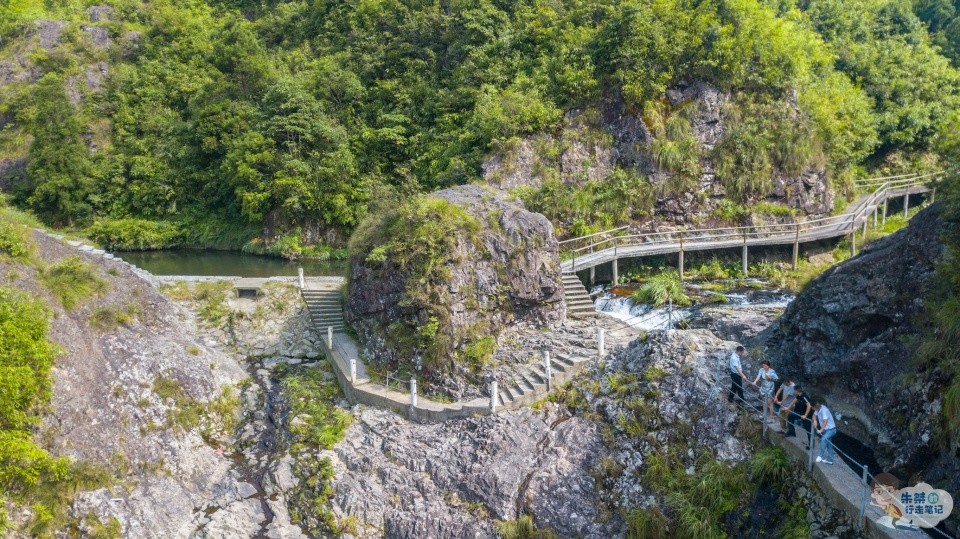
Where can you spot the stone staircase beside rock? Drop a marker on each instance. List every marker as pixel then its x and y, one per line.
pixel 324 303
pixel 527 387
pixel 579 304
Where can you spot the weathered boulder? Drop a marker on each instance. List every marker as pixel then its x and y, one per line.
pixel 452 480
pixel 850 338
pixel 435 280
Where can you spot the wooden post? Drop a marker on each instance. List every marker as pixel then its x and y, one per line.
pixel 493 396
pixel 413 393
pixel 933 195
pixel 616 277
pixel 330 338
pixel 864 233
pixel 884 219
pixel 876 210
pixel 593 274
pixel 796 246
pixel 744 253
pixel 906 204
pixel 853 243
pixel 300 280
pixel 353 371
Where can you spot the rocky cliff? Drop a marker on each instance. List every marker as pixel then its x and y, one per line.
pixel 851 337
pixel 435 281
pixel 593 145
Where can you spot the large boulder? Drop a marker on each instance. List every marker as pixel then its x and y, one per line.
pixel 435 280
pixel 850 337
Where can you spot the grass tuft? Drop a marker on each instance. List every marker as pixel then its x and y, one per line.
pixel 72 281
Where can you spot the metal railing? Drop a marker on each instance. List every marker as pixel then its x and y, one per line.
pixel 610 242
pixel 856 474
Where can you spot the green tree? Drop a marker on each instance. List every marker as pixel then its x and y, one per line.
pixel 59 172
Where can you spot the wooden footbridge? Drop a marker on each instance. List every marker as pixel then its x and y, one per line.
pixel 610 246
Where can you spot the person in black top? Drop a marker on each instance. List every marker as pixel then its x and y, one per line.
pixel 801 413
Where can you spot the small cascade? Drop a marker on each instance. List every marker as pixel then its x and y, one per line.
pixel 646 317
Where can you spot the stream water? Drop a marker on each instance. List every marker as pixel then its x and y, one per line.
pixel 200 262
pixel 618 304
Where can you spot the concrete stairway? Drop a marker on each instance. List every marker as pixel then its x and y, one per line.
pixel 579 304
pixel 527 387
pixel 323 301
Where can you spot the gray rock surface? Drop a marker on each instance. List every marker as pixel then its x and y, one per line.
pixel 104 409
pixel 508 273
pixel 590 149
pixel 404 480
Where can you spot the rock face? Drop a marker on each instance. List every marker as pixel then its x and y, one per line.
pixel 845 338
pixel 450 481
pixel 591 148
pixel 106 408
pixel 436 304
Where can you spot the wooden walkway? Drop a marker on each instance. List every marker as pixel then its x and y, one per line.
pixel 612 245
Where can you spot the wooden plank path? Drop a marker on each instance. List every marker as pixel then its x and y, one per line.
pixel 612 245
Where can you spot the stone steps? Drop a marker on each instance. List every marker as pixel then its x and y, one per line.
pixel 531 385
pixel 325 308
pixel 579 304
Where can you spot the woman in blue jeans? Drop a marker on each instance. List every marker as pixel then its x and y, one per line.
pixel 826 427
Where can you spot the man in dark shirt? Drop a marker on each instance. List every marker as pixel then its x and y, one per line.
pixel 802 409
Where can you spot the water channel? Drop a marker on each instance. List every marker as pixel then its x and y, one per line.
pixel 233 263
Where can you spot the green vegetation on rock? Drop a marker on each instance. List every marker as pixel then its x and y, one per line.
pixel 661 289
pixel 230 121
pixel 72 281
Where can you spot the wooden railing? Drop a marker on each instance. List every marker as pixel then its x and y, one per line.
pixel 600 247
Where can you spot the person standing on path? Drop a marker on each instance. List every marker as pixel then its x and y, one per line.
pixel 826 427
pixel 769 376
pixel 785 397
pixel 736 374
pixel 800 413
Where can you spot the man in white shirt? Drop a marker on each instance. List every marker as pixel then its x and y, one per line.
pixel 736 374
pixel 826 427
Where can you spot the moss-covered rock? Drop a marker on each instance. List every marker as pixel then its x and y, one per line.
pixel 436 279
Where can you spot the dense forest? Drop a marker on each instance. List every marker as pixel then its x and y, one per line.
pixel 218 122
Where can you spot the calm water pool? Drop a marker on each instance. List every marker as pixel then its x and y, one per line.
pixel 200 262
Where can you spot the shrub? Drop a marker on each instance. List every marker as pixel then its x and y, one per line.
pixel 72 281
pixel 135 234
pixel 13 240
pixel 770 464
pixel 660 289
pixel 479 351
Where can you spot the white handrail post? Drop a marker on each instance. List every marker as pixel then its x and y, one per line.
pixel 300 280
pixel 906 204
pixel 493 396
pixel 330 338
pixel 547 369
pixel 413 393
pixel 600 343
pixel 353 371
pixel 669 315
